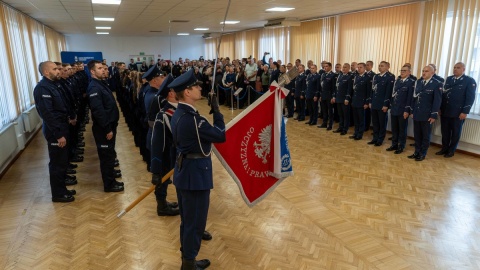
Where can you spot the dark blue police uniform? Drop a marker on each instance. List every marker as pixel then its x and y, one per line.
pixel 193 136
pixel 368 111
pixel 343 88
pixel 313 90
pixel 290 99
pixel 382 87
pixel 458 97
pixel 300 87
pixel 53 110
pixel 327 86
pixel 400 103
pixel 105 117
pixel 358 98
pixel 427 99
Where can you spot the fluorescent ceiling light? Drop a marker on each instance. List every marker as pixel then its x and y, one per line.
pixel 201 29
pixel 103 33
pixel 104 19
pixel 107 2
pixel 183 34
pixel 103 27
pixel 230 22
pixel 281 9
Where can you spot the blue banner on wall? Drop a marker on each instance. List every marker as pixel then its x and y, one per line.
pixel 70 57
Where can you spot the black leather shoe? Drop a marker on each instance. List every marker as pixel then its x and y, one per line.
pixel 71 192
pixel 71 171
pixel 313 124
pixel 420 158
pixel 352 137
pixel 372 142
pixel 206 236
pixel 77 159
pixel 82 129
pixel 322 126
pixel 329 128
pixel 172 204
pixel 72 166
pixel 81 138
pixel 378 144
pixel 300 120
pixel 202 264
pixel 399 151
pixel 358 138
pixel 71 177
pixel 70 182
pixel 167 211
pixel 116 164
pixel 79 151
pixel 117 175
pixel 64 198
pixel 81 144
pixel 414 155
pixel 392 148
pixel 441 152
pixel 114 188
pixel 119 183
pixel 337 130
pixel 117 171
pixel 449 155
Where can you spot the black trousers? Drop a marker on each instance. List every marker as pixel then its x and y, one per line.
pixel 359 119
pixel 368 118
pixel 327 113
pixel 399 130
pixel 343 116
pixel 300 108
pixel 312 107
pixel 422 131
pixel 290 102
pixel 193 206
pixel 57 167
pixel 379 126
pixel 451 132
pixel 106 154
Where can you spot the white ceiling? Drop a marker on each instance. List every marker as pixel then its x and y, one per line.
pixel 139 17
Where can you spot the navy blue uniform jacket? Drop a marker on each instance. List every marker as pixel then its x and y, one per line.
pixel 361 91
pixel 313 85
pixel 327 85
pixel 427 99
pixel 195 174
pixel 458 96
pixel 52 109
pixel 402 96
pixel 343 87
pixel 300 85
pixel 382 87
pixel 103 105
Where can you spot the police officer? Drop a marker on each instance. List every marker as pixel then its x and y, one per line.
pixel 382 87
pixel 290 99
pixel 359 100
pixel 155 78
pixel 312 93
pixel 426 104
pixel 300 87
pixel 370 73
pixel 53 110
pixel 327 86
pixel 343 87
pixel 105 117
pixel 457 100
pixel 193 136
pixel 400 103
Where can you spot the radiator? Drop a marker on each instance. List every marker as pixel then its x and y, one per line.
pixel 8 144
pixel 470 131
pixel 31 119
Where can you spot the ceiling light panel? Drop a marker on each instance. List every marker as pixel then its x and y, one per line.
pixel 279 9
pixel 230 22
pixel 104 19
pixel 107 2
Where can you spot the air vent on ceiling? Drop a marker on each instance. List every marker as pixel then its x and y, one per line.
pixel 155 31
pixel 211 35
pixel 179 21
pixel 282 22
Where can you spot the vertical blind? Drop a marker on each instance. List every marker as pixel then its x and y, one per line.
pixel 24 43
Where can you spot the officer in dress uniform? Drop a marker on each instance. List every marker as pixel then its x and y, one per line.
pixel 300 87
pixel 426 104
pixel 359 100
pixel 155 78
pixel 457 100
pixel 370 73
pixel 193 136
pixel 327 86
pixel 382 87
pixel 343 87
pixel 312 93
pixel 53 110
pixel 290 99
pixel 400 103
pixel 105 117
